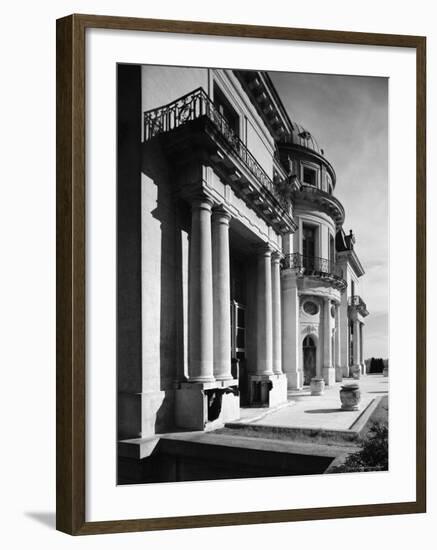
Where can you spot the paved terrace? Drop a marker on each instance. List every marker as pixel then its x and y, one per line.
pixel 304 411
pixel 304 436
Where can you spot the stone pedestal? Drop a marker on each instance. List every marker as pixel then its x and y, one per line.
pixel 329 375
pixel 295 380
pixel 346 371
pixel 317 386
pixel 207 405
pixel 267 390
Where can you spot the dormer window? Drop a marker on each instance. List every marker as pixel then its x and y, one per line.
pixel 310 176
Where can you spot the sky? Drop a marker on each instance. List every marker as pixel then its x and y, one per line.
pixel 348 116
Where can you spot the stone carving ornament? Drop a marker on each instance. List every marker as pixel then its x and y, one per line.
pixel 310 329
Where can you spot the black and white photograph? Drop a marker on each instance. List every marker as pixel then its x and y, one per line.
pixel 217 286
pixel 252 274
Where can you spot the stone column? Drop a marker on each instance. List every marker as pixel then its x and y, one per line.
pixel 291 345
pixel 338 367
pixel 356 343
pixel 328 368
pixel 200 311
pixel 221 295
pixel 276 313
pixel 344 330
pixel 264 313
pixel 363 366
pixel 356 366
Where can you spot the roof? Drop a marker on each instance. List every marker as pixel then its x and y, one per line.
pixel 301 136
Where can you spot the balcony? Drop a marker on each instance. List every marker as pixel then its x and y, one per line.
pixel 323 200
pixel 313 266
pixel 209 130
pixel 359 304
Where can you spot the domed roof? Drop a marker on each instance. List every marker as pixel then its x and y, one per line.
pixel 304 138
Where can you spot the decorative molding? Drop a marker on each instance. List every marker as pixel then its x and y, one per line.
pixel 310 329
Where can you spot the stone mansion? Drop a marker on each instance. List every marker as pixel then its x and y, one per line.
pixel 236 278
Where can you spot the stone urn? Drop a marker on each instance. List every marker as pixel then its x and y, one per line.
pixel 317 386
pixel 350 397
pixel 385 371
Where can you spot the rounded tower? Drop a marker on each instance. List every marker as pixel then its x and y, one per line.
pixel 313 283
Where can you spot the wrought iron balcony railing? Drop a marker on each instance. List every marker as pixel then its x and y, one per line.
pixel 196 105
pixel 315 266
pixel 359 304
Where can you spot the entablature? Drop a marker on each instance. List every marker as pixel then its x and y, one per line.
pixel 191 128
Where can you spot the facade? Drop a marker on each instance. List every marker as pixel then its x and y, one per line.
pixel 236 280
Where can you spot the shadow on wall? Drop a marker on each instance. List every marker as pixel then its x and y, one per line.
pixel 150 291
pixel 174 219
pixel 129 380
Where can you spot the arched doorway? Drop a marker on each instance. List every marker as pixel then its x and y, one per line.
pixel 309 360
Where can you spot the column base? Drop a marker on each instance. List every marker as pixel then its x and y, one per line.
pixel 144 414
pixel 208 405
pixel 295 380
pixel 223 377
pixel 355 372
pixel 267 390
pixel 329 376
pixel 339 373
pixel 363 369
pixel 346 371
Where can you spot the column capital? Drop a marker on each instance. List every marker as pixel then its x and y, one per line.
pixel 263 249
pixel 202 202
pixel 220 214
pixel 277 256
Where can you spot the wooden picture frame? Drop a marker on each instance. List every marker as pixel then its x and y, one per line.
pixel 71 247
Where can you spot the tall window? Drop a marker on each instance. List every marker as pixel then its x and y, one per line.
pixel 309 360
pixel 226 110
pixel 331 250
pixel 309 246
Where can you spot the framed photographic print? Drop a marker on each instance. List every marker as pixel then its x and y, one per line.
pixel 240 274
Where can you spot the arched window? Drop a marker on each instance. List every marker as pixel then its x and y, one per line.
pixel 308 342
pixel 309 359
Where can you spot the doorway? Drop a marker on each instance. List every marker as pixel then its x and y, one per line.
pixel 238 345
pixel 309 360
